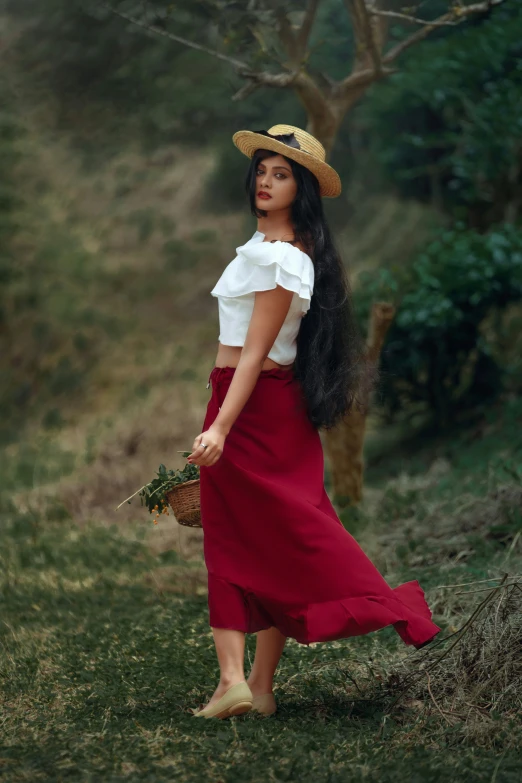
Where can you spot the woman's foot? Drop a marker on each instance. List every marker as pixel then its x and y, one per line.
pixel 221 689
pixel 259 688
pixel 264 701
pixel 236 700
pixel 265 704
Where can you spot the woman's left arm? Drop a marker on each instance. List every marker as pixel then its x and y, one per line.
pixel 270 310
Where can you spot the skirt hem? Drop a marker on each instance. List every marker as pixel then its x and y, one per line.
pixel 237 608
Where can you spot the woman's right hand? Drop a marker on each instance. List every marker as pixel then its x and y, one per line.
pixel 214 438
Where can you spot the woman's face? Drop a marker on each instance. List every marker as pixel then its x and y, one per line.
pixel 274 178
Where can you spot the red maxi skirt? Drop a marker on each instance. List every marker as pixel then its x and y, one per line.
pixel 276 552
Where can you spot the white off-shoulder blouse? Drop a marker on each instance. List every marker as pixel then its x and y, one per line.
pixel 261 266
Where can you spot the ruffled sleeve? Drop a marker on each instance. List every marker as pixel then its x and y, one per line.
pixel 260 266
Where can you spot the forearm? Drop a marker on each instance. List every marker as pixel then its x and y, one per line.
pixel 241 387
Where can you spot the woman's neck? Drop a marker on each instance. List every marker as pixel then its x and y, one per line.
pixel 275 229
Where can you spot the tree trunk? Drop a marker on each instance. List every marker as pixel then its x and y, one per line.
pixel 325 114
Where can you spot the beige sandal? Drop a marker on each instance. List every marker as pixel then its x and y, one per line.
pixel 265 704
pixel 235 701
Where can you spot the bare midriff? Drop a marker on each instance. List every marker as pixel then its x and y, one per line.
pixel 229 355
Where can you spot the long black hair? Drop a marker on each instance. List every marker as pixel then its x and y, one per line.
pixel 330 363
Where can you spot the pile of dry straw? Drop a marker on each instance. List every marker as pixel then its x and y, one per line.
pixel 472 680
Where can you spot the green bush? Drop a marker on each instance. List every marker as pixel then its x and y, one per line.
pixel 439 350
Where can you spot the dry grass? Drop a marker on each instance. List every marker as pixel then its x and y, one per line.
pixel 452 535
pixel 472 680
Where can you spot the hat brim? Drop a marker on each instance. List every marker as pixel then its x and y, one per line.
pixel 248 142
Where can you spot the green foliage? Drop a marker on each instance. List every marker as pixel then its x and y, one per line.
pixel 154 494
pixel 438 352
pixel 449 124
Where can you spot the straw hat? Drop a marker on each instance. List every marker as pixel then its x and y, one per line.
pixel 294 143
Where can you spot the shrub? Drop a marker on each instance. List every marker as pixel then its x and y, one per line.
pixel 439 351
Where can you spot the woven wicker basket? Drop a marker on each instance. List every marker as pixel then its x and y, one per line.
pixel 184 499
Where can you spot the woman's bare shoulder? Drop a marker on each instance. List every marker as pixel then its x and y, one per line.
pixel 297 244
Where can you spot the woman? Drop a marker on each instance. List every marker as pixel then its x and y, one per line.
pixel 280 563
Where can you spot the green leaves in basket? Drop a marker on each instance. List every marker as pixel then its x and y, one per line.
pixel 153 494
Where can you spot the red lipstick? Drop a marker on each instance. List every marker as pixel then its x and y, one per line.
pixel 264 194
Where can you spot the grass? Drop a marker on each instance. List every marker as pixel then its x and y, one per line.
pixel 105 648
pixel 99 672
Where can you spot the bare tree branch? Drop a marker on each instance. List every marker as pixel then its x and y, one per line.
pixel 285 31
pixel 354 86
pixel 303 36
pixel 364 34
pixel 295 43
pixel 244 91
pixel 256 78
pixel 362 78
pixel 151 28
pixel 278 80
pixel 412 19
pixel 458 12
